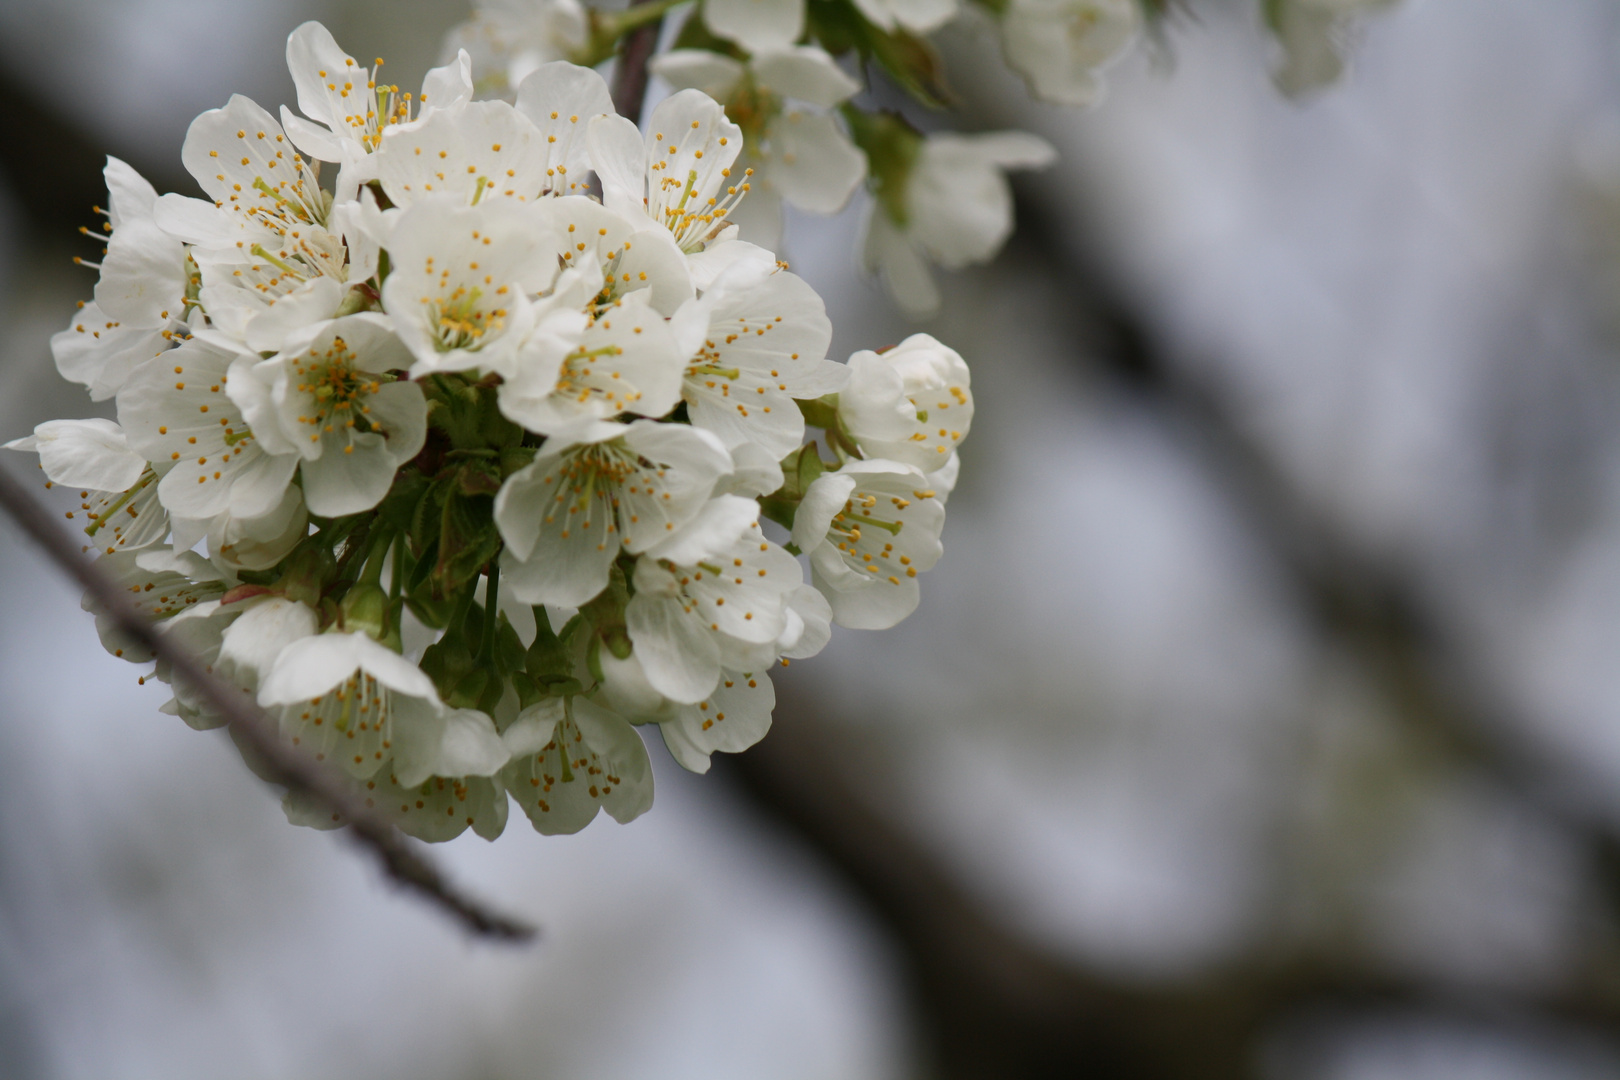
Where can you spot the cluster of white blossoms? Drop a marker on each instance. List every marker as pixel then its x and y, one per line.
pixel 492 448
pixel 782 69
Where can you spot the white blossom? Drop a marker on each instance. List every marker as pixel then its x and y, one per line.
pixel 1061 46
pixel 698 608
pixel 958 211
pixel 680 176
pixel 766 345
pixel 624 373
pixel 351 109
pixel 177 411
pixel 568 382
pixel 458 293
pixel 567 514
pixel 140 297
pixel 870 529
pixel 911 403
pixel 262 240
pixel 346 698
pixel 332 401
pixel 571 758
pixel 510 39
pixel 799 154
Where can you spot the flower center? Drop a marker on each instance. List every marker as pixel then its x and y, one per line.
pixel 335 392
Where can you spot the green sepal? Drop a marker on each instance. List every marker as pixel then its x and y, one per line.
pixel 908 59
pixel 891 146
pixel 605 613
pixel 467 540
pixel 695 34
pixel 799 470
pixel 549 660
pixel 364 609
pixel 820 413
pixel 398 508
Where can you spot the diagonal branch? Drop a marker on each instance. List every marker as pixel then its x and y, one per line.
pixel 401 860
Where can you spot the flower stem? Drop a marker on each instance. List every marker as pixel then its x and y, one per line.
pixel 492 603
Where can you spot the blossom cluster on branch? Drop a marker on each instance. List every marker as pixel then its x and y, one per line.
pixel 492 447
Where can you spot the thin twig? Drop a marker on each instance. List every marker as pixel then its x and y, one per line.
pixel 284 764
pixel 630 74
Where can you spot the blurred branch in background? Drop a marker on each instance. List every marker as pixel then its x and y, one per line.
pixel 990 1003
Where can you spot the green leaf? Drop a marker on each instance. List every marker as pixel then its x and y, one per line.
pixel 467 540
pixel 909 60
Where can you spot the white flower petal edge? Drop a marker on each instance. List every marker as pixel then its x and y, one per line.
pixel 911 403
pixel 354 701
pixel 566 515
pixel 870 529
pixel 178 412
pixel 571 758
pixel 84 453
pixel 756 25
pixel 1062 46
pixel 735 716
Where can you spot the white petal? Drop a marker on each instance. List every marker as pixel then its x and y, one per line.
pixel 90 454
pixel 804 73
pixel 254 641
pixel 756 25
pixel 716 527
pixel 129 194
pixel 445 88
pixel 143 275
pixel 682 661
pixel 98 352
pixel 617 741
pixel 468 745
pixel 257 543
pixel 824 498
pixel 707 265
pixel 890 254
pixel 733 718
pixel 620 160
pixel 861 604
pixel 532 729
pixel 562 100
pixel 312 302
pixel 816 615
pixel 812 162
pixel 699 69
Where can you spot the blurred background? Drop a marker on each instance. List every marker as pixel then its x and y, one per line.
pixel 1262 721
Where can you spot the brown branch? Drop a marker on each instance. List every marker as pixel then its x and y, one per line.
pixel 282 763
pixel 991 1004
pixel 630 73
